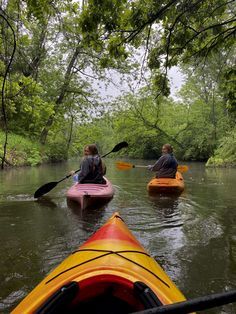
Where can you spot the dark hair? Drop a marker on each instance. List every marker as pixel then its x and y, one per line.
pixel 168 147
pixel 92 148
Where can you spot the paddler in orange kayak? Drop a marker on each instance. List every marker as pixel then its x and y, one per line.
pixel 166 165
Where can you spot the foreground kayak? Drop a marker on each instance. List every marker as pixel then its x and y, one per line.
pixel 110 273
pixel 90 194
pixel 166 185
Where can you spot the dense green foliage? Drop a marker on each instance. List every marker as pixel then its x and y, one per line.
pixel 22 151
pixel 147 123
pixel 172 31
pixel 25 152
pixel 225 154
pixel 63 48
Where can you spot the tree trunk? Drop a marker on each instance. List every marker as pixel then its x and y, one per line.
pixel 61 96
pixel 70 133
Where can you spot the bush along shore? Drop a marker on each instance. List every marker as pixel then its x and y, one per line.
pixel 22 151
pixel 25 152
pixel 225 154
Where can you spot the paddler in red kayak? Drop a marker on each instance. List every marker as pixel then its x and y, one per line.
pixel 92 168
pixel 166 165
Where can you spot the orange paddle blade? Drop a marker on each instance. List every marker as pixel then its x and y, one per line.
pixel 183 168
pixel 124 165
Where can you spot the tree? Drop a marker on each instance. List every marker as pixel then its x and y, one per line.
pixel 207 107
pixel 171 31
pixel 53 70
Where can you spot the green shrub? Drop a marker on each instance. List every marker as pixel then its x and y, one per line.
pixel 56 152
pixel 225 154
pixel 20 150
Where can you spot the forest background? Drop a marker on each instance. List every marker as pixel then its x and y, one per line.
pixel 57 56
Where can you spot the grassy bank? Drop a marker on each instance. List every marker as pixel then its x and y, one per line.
pixel 25 152
pixel 22 151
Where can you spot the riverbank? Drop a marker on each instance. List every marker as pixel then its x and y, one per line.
pixel 225 154
pixel 24 152
pixel 220 162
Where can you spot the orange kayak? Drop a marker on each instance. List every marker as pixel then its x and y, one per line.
pixel 111 270
pixel 166 185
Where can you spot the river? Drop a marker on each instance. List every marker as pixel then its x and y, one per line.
pixel 193 236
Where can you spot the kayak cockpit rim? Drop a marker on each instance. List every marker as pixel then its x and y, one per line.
pixel 108 291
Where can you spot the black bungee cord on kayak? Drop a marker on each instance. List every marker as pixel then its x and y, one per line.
pixel 109 252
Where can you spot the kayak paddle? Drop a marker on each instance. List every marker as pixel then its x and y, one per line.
pixel 194 305
pixel 126 166
pixel 49 186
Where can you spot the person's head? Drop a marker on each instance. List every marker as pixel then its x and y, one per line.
pixel 167 149
pixel 90 149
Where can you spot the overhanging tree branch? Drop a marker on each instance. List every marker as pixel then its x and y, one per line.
pixel 150 21
pixel 156 126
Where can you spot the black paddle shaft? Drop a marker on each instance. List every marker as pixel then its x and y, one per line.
pixel 49 186
pixel 198 304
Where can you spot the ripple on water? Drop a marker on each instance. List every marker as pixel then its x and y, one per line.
pixel 139 220
pixel 176 231
pixel 165 249
pixel 204 231
pixel 159 227
pixel 56 253
pixel 13 297
pixel 20 198
pixel 13 275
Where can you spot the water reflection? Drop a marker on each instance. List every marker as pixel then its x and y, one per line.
pixel 46 201
pixel 167 209
pixel 167 204
pixel 88 217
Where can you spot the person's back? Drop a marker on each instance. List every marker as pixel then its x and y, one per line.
pixel 92 168
pixel 166 165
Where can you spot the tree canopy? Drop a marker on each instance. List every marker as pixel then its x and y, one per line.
pixel 63 48
pixel 170 31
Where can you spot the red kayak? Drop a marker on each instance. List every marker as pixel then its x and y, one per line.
pixel 90 194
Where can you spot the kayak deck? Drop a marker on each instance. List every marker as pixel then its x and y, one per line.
pixel 166 185
pixel 110 273
pixel 90 194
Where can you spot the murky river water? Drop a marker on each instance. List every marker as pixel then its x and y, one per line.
pixel 193 236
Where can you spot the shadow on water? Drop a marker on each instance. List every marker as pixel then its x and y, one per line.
pixel 46 201
pixel 166 203
pixel 167 210
pixel 88 217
